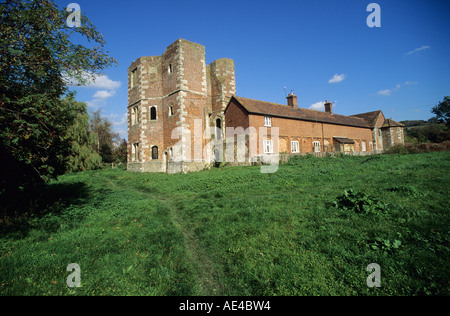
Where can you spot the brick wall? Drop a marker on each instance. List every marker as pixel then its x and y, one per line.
pixel 305 132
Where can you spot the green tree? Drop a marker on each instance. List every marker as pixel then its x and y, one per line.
pixel 37 55
pixel 442 111
pixel 82 156
pixel 120 152
pixel 105 136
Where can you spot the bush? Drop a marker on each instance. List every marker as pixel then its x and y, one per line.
pixel 418 148
pixel 359 203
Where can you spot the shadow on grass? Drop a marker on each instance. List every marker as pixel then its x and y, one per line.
pixel 17 211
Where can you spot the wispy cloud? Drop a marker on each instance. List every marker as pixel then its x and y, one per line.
pixel 103 82
pixel 421 48
pixel 388 92
pixel 337 78
pixel 119 122
pixel 95 81
pixel 122 119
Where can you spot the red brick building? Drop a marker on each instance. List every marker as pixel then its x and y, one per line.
pixel 183 115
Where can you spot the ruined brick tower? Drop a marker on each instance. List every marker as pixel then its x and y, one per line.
pixel 173 102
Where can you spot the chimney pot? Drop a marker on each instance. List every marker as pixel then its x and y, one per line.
pixel 328 107
pixel 292 100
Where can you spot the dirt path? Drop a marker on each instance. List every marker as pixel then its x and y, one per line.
pixel 201 264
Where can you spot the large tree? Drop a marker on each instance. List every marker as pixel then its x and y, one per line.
pixel 442 111
pixel 37 55
pixel 106 138
pixel 82 155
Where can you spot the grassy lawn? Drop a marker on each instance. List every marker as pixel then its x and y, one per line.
pixel 235 231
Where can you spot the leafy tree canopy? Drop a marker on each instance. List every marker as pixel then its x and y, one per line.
pixel 442 111
pixel 37 55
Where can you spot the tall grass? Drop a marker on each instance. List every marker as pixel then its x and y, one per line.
pixel 235 231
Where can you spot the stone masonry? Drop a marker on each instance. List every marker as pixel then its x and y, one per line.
pixel 172 99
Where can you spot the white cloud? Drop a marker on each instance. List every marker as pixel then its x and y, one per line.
pixel 337 78
pixel 104 94
pixel 385 92
pixel 317 106
pixel 106 87
pixel 95 81
pixel 423 47
pixel 103 82
pixel 388 92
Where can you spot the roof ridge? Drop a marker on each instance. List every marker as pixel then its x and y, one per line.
pixel 300 108
pixel 275 109
pixel 366 112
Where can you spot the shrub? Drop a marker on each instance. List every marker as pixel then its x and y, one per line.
pixel 419 148
pixel 359 203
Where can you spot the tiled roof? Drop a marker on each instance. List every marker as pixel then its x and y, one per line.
pixel 285 111
pixel 391 123
pixel 369 117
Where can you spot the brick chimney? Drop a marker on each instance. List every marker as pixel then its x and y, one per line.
pixel 292 100
pixel 328 107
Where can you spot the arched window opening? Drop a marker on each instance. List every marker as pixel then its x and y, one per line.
pixel 218 129
pixel 155 152
pixel 135 152
pixel 152 113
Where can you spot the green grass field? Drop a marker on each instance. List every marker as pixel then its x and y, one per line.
pixel 235 231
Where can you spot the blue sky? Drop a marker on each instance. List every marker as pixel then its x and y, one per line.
pixel 321 49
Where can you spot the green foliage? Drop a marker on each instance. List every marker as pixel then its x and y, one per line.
pixel 359 203
pixel 107 143
pixel 82 156
pixel 385 245
pixel 36 57
pixel 442 111
pixel 418 148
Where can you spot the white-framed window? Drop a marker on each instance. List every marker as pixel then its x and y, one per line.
pixel 268 147
pixel 267 121
pixel 294 146
pixel 363 146
pixel 316 145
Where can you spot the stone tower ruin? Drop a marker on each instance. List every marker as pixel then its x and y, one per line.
pixel 175 107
